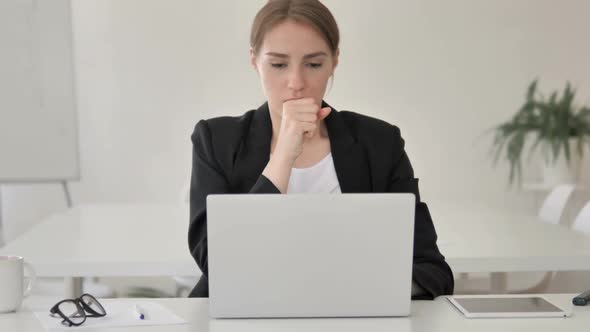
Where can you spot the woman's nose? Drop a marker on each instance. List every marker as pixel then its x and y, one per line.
pixel 296 80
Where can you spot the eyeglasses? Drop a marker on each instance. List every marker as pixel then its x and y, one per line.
pixel 75 311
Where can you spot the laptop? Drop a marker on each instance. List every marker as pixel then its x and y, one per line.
pixel 310 255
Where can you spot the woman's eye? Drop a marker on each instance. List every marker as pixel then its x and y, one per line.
pixel 284 65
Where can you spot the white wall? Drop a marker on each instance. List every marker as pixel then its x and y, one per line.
pixel 443 71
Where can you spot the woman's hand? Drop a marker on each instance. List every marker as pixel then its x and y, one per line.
pixel 300 121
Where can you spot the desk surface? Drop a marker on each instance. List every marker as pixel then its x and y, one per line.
pixel 436 315
pixel 109 240
pixel 474 241
pixel 151 240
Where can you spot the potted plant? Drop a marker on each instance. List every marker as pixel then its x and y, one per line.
pixel 559 127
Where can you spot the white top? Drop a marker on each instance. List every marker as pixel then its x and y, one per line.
pixel 437 315
pixel 319 178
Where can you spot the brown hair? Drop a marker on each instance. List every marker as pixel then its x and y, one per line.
pixel 311 12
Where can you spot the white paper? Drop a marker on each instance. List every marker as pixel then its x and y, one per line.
pixel 119 313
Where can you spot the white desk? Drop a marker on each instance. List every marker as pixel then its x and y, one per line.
pixel 108 240
pixel 426 316
pixel 483 240
pixel 113 240
pixel 151 240
pixel 486 243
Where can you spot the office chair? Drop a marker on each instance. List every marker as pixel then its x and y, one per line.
pixel 581 224
pixel 550 212
pixel 582 221
pixel 554 204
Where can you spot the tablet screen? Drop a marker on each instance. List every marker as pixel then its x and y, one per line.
pixel 509 304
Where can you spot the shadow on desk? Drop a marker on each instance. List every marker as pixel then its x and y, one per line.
pixel 311 324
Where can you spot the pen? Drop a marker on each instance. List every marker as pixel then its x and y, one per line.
pixel 140 312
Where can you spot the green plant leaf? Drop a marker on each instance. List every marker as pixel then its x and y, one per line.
pixel 530 95
pixel 554 121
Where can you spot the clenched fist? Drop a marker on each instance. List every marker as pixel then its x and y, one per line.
pixel 300 120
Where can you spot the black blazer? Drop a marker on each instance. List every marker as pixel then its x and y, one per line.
pixel 230 153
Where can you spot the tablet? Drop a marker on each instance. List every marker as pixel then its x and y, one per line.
pixel 477 306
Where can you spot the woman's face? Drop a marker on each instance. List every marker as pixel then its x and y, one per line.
pixel 293 62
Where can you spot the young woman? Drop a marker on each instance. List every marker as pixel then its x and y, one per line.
pixel 297 143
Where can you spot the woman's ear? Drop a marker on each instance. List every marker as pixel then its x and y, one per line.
pixel 253 60
pixel 335 60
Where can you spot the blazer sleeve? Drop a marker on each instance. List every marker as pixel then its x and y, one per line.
pixel 430 270
pixel 208 177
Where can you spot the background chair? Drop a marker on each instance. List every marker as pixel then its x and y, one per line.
pixel 582 221
pixel 554 204
pixel 551 212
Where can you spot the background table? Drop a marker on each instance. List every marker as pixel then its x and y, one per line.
pixel 479 239
pixel 109 240
pixel 151 240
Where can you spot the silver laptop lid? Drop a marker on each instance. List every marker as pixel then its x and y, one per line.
pixel 313 255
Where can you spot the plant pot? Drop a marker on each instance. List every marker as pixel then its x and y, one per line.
pixel 559 172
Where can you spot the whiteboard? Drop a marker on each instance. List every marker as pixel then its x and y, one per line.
pixel 38 120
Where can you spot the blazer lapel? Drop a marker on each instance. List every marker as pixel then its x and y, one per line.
pixel 253 156
pixel 350 160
